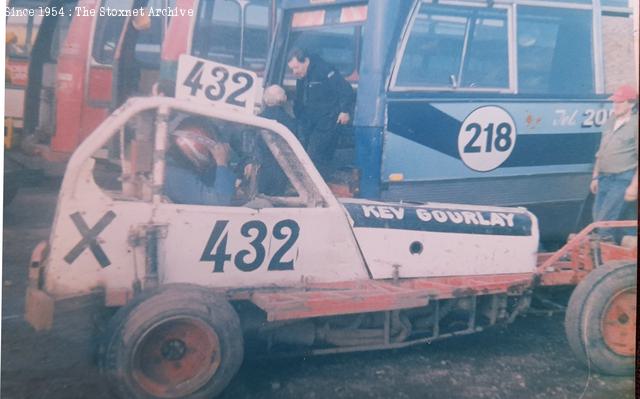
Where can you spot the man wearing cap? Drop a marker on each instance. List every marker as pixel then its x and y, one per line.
pixel 323 101
pixel 615 173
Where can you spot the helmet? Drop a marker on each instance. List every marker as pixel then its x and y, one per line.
pixel 194 143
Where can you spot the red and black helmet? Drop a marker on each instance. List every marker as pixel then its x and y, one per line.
pixel 195 143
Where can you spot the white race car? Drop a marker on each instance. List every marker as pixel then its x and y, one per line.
pixel 284 263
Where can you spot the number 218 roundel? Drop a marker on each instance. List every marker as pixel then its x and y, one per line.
pixel 486 138
pixel 208 81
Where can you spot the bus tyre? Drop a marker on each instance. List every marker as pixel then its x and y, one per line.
pixel 181 342
pixel 600 322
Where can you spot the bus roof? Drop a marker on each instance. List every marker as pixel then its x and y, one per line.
pixel 292 4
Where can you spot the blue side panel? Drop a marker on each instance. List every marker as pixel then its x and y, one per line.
pixel 368 159
pixel 421 139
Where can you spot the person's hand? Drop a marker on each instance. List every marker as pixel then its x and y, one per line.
pixel 250 170
pixel 343 118
pixel 631 193
pixel 220 153
pixel 155 90
pixel 594 186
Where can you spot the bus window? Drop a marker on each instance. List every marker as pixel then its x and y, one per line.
pixel 21 33
pixel 147 48
pixel 614 3
pixel 108 30
pixel 256 36
pixel 554 51
pixel 334 34
pixel 334 44
pixel 217 36
pixel 456 47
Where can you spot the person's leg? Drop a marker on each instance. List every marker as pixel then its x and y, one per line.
pixel 322 143
pixel 609 201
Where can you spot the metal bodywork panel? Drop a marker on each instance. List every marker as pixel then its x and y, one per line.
pixel 72 265
pixel 325 249
pixel 430 240
pixel 93 240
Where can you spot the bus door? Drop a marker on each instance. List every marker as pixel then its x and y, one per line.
pixel 73 57
pixel 233 32
pixel 136 59
pixel 39 104
pixel 335 33
pixel 21 31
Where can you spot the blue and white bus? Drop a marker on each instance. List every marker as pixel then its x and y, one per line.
pixel 477 101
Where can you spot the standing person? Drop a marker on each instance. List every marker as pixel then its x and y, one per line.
pixel 323 101
pixel 615 173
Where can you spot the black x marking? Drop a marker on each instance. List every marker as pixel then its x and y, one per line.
pixel 89 238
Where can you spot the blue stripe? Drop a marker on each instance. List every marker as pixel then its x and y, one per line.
pixel 429 126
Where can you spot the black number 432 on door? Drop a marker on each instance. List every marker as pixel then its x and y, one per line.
pixel 255 232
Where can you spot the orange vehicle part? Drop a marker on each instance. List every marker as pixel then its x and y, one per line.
pixel 381 295
pixel 565 267
pixel 619 323
pixel 580 255
pixel 180 351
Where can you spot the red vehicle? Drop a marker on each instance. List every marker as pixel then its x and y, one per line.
pixel 87 62
pixel 73 83
pixel 22 28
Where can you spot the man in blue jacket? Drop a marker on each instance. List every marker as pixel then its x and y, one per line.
pixel 323 101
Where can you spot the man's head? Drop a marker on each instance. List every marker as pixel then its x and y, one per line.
pixel 624 99
pixel 298 62
pixel 274 95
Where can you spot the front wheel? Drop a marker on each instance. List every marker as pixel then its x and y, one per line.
pixel 600 322
pixel 179 343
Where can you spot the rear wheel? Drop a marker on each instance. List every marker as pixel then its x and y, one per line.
pixel 179 343
pixel 600 322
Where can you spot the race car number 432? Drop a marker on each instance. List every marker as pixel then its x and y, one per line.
pixel 209 81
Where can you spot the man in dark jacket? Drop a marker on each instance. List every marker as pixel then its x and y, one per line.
pixel 323 101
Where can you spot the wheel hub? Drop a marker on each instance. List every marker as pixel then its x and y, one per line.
pixel 173 349
pixel 176 357
pixel 619 323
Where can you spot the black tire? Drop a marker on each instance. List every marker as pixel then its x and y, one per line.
pixel 588 320
pixel 181 342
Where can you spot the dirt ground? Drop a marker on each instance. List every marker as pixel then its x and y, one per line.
pixel 528 359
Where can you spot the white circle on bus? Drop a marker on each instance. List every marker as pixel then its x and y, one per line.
pixel 486 138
